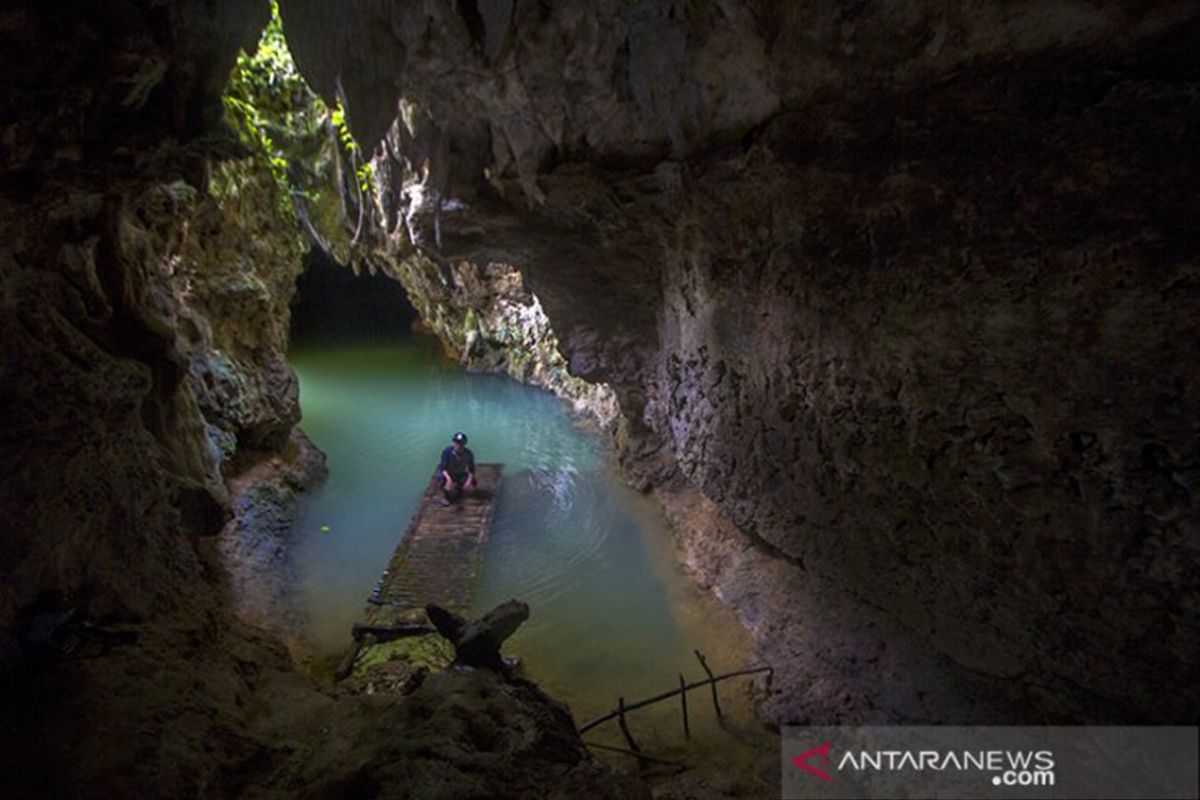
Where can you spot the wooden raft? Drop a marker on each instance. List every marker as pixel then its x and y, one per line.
pixel 439 558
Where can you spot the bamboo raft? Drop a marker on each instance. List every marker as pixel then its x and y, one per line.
pixel 438 560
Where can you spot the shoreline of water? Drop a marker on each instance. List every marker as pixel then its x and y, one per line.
pixel 612 611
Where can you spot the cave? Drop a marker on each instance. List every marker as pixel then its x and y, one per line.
pixel 888 309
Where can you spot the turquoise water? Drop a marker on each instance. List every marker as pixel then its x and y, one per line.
pixel 611 612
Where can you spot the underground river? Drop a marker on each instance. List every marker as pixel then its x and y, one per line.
pixel 612 613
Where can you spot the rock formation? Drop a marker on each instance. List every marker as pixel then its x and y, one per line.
pixel 149 431
pixel 901 295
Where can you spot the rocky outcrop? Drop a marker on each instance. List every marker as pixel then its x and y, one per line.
pixel 489 321
pixel 150 431
pixel 113 493
pixel 460 734
pixel 900 294
pixel 482 310
pixel 112 464
pixel 233 257
pixel 235 274
pixel 257 544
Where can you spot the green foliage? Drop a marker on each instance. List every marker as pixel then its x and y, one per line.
pixel 293 137
pixel 338 117
pixel 366 176
pixel 364 173
pixel 269 105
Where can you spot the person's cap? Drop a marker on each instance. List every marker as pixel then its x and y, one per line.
pixel 459 437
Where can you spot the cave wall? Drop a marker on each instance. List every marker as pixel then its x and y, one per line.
pixel 140 353
pixel 901 294
pixel 953 374
pixel 100 179
pixel 488 320
pixel 150 281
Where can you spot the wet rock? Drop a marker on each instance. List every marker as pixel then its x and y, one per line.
pixel 257 545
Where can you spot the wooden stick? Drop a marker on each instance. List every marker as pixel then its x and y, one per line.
pixel 633 745
pixel 671 693
pixel 687 734
pixel 625 728
pixel 642 756
pixel 712 682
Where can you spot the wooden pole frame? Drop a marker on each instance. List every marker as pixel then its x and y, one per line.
pixel 625 708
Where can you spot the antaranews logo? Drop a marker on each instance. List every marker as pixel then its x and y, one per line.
pixel 1002 767
pixel 1083 762
pixel 801 761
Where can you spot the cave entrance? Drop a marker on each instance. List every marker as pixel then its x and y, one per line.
pixel 333 304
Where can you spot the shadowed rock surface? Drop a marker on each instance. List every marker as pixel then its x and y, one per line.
pixel 459 735
pixel 902 293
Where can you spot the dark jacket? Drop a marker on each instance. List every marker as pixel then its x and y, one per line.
pixel 457 464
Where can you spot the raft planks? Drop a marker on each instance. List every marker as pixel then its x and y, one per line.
pixel 439 557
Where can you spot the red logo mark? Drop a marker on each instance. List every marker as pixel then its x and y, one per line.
pixel 823 751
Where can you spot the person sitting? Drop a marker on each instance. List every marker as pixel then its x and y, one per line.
pixel 456 471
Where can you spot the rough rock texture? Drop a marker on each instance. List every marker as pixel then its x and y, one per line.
pixel 463 735
pixel 162 320
pixel 488 320
pixel 141 330
pixel 236 273
pixel 904 292
pixel 108 462
pixel 257 544
pixel 483 311
pixel 112 488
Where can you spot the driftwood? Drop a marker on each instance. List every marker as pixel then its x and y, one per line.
pixel 346 666
pixel 687 732
pixel 633 745
pixel 477 643
pixel 623 709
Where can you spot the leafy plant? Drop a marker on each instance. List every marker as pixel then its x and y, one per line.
pixel 364 172
pixel 270 106
pixel 297 139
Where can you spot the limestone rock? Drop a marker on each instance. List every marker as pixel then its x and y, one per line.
pixel 904 290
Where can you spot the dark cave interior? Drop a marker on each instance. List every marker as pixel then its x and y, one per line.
pixel 890 307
